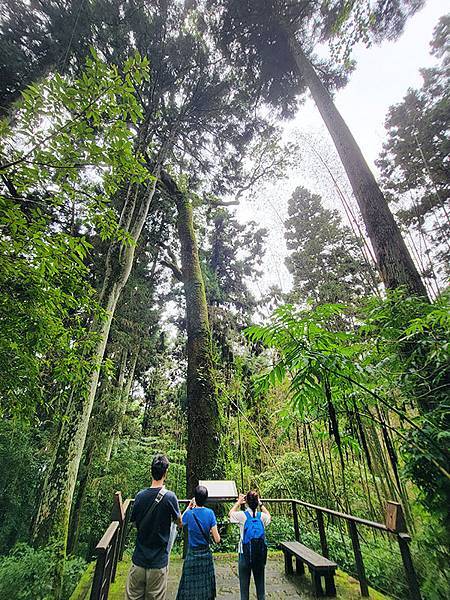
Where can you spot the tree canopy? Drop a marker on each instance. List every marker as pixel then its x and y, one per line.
pixel 137 142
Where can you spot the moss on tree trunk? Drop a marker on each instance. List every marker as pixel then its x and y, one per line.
pixel 202 407
pixel 51 524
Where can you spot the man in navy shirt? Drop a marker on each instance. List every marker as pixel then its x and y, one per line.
pixel 154 511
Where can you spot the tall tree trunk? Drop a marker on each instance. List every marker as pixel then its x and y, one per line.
pixel 95 448
pixel 202 406
pixel 118 395
pixel 394 262
pixel 52 519
pixel 125 391
pixel 83 479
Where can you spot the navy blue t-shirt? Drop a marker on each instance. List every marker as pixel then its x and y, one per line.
pixel 151 550
pixel 207 520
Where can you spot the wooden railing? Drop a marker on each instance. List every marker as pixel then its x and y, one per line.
pixel 394 526
pixel 110 549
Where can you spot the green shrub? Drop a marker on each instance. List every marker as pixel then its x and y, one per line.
pixel 26 574
pixel 20 473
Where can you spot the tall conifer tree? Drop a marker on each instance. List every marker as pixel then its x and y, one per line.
pixel 272 42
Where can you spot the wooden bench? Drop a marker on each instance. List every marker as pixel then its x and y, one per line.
pixel 318 566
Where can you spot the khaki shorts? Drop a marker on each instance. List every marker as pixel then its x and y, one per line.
pixel 146 584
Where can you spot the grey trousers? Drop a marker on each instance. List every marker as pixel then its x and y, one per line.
pixel 146 584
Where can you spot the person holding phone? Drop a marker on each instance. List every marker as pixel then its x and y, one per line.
pixel 198 580
pixel 252 543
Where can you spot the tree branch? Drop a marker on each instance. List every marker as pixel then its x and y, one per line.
pixel 177 272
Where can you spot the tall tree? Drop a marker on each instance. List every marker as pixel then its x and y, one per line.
pixel 131 350
pixel 202 407
pixel 232 261
pixel 325 258
pixel 272 41
pixel 189 94
pixel 414 167
pixel 44 168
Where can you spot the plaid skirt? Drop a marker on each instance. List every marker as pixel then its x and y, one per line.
pixel 198 581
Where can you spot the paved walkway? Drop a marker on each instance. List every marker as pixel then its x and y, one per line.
pixel 278 585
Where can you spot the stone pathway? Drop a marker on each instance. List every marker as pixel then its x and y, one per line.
pixel 278 585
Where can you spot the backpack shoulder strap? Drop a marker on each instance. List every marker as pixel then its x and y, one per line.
pixel 199 525
pixel 151 508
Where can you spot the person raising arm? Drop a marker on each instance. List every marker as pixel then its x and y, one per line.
pixel 252 545
pixel 198 580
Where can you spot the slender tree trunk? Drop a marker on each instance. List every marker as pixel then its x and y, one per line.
pixel 117 397
pixel 202 407
pixel 74 528
pixel 124 397
pixel 94 447
pixel 52 519
pixel 394 262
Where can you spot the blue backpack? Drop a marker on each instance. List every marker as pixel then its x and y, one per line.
pixel 254 541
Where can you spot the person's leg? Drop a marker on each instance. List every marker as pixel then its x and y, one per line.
pixel 135 587
pixel 244 577
pixel 156 584
pixel 259 577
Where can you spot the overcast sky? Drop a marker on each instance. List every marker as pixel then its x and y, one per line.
pixel 382 77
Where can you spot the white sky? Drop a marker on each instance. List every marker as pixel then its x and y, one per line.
pixel 381 78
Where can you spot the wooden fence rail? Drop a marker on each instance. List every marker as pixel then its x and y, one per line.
pixel 110 549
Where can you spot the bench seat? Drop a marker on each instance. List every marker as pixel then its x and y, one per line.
pixel 318 565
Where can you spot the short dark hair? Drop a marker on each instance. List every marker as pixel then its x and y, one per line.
pixel 200 495
pixel 160 464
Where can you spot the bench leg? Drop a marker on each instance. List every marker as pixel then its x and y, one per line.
pixel 330 587
pixel 299 567
pixel 317 583
pixel 288 563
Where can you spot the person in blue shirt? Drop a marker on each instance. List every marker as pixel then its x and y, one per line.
pixel 198 580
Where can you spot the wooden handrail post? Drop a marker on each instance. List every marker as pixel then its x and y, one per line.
pixel 296 524
pixel 185 542
pixel 117 509
pixel 97 582
pixel 107 577
pixel 117 514
pixel 115 549
pixel 413 584
pixel 395 517
pixel 322 533
pixel 358 559
pixel 396 522
pixel 127 508
pixel 106 552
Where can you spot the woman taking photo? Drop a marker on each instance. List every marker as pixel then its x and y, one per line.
pixel 252 543
pixel 198 581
